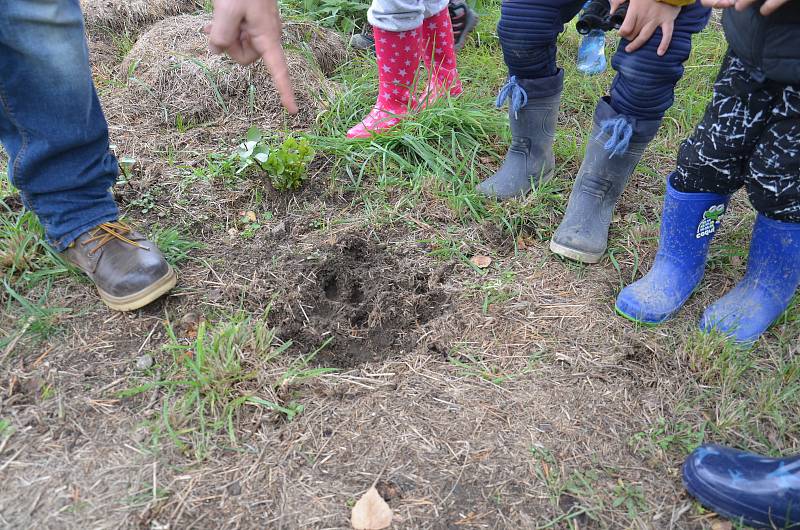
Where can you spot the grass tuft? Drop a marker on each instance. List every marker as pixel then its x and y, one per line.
pixel 209 381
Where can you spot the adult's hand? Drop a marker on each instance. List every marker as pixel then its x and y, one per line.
pixel 247 30
pixel 769 7
pixel 642 20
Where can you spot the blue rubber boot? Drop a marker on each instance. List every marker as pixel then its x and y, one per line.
pixel 757 491
pixel 688 223
pixel 591 53
pixel 772 277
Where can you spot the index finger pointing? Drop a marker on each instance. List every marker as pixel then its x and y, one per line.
pixel 275 60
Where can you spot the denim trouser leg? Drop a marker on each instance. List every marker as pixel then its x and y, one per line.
pixel 644 86
pixel 51 123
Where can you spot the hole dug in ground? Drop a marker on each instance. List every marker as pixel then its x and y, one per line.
pixel 369 303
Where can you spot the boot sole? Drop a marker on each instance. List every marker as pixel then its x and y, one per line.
pixel 575 255
pixel 147 295
pixel 652 323
pixel 637 321
pixel 490 193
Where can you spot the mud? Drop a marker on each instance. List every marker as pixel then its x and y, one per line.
pixel 362 302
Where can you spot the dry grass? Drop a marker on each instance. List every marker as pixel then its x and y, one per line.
pixel 172 76
pixel 130 16
pixel 328 47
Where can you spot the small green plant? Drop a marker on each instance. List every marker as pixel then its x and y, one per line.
pixel 630 497
pixel 547 470
pixel 250 224
pixel 6 429
pixel 286 165
pixel 172 244
pixel 346 15
pixel 680 436
pixel 145 203
pixel 47 392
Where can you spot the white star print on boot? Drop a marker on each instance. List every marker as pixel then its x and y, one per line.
pixel 440 59
pixel 398 55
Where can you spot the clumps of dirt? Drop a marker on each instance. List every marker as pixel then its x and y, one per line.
pixel 172 77
pixel 132 15
pixel 369 303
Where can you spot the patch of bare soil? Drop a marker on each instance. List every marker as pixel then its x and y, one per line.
pixel 366 303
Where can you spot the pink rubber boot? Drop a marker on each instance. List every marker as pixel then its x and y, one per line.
pixel 440 59
pixel 398 59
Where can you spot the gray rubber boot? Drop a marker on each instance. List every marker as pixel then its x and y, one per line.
pixel 530 159
pixel 611 157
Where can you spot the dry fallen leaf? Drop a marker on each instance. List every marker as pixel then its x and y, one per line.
pixel 523 243
pixel 371 512
pixel 481 261
pixel 721 525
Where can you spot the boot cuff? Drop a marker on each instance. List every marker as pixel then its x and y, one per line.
pixel 518 91
pixel 627 128
pixel 694 196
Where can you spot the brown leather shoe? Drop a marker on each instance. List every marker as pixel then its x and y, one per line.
pixel 128 270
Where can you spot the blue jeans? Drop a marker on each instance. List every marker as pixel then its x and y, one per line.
pixel 51 123
pixel 644 86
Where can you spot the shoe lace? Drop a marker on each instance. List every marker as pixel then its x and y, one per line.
pixel 513 92
pixel 620 132
pixel 104 233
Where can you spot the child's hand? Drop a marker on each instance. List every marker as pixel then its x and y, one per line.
pixel 248 30
pixel 644 17
pixel 769 7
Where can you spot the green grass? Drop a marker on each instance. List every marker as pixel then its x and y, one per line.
pixel 208 382
pixel 751 395
pixel 173 245
pixel 28 268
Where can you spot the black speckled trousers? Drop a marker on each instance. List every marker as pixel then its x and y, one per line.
pixel 749 136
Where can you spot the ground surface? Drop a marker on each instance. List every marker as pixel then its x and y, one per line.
pixel 324 339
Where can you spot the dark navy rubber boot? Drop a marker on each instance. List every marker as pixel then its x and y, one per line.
pixel 757 491
pixel 771 279
pixel 615 146
pixel 532 114
pixel 688 223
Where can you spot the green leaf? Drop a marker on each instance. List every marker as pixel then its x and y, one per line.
pixel 254 134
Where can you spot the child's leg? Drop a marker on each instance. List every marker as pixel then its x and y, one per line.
pixel 624 123
pixel 773 266
pixel 714 159
pixel 528 30
pixel 439 53
pixel 645 83
pixel 398 46
pixel 710 168
pixel 396 15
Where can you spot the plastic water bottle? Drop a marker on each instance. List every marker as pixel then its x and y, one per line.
pixel 592 53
